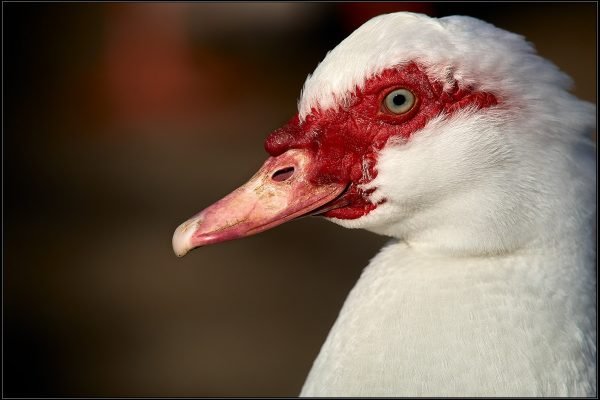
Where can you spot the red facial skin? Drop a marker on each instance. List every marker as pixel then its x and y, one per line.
pixel 345 141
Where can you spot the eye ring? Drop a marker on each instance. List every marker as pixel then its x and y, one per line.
pixel 399 101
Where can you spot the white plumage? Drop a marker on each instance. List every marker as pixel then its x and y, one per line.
pixel 487 287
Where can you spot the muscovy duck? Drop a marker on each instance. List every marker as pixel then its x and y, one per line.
pixel 458 141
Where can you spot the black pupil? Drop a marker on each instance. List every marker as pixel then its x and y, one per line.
pixel 399 99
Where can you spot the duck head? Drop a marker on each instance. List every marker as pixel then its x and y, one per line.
pixel 412 127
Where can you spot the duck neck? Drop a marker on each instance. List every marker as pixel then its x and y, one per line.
pixel 418 323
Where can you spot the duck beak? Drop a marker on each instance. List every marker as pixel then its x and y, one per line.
pixel 278 192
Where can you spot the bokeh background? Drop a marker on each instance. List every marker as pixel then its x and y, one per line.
pixel 121 120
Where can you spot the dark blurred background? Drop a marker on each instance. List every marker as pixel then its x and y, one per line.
pixel 121 120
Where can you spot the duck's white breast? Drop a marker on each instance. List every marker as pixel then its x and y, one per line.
pixel 419 325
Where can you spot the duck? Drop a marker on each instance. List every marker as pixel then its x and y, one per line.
pixel 460 143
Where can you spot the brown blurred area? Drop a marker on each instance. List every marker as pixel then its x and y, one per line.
pixel 123 120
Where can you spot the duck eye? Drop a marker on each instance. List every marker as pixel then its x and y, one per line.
pixel 399 101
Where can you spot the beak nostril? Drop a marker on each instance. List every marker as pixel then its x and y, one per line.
pixel 283 174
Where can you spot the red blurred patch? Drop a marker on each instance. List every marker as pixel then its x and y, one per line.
pixel 355 14
pixel 149 66
pixel 152 69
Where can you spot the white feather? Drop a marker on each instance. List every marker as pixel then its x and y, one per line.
pixel 480 54
pixel 488 287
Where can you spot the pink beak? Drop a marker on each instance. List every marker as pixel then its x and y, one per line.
pixel 278 192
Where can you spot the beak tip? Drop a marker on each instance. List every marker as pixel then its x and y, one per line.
pixel 182 238
pixel 180 254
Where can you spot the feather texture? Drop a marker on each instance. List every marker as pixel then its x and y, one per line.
pixel 488 285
